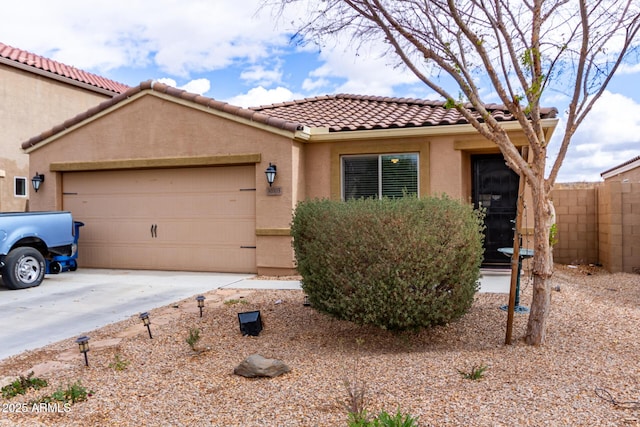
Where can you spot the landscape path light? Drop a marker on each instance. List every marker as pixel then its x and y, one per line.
pixel 146 322
pixel 83 343
pixel 200 299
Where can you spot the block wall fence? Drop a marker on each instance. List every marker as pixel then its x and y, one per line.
pixel 598 223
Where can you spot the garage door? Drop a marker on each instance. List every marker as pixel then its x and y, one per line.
pixel 192 219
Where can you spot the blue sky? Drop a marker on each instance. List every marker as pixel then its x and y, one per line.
pixel 230 51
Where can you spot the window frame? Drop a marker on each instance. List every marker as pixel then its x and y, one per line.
pixel 15 186
pixel 379 157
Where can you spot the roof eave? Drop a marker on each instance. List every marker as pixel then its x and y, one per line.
pixel 323 134
pixel 53 76
pixel 625 167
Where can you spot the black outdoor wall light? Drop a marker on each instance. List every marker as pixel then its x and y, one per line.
pixel 37 180
pixel 83 343
pixel 271 174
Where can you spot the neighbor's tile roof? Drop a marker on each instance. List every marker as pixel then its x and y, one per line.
pixel 337 112
pixel 357 112
pixel 38 62
pixel 628 162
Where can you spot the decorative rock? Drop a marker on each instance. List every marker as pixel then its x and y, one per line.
pixel 258 366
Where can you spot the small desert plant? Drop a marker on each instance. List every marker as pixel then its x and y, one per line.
pixel 74 393
pixel 356 402
pixel 22 384
pixel 119 364
pixel 235 301
pixel 476 372
pixel 356 394
pixel 193 338
pixel 384 419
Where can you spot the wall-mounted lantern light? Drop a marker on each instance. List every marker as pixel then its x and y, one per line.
pixel 271 174
pixel 146 322
pixel 37 180
pixel 83 343
pixel 200 299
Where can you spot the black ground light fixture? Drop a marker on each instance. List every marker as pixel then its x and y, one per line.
pixel 250 323
pixel 83 343
pixel 200 299
pixel 146 322
pixel 271 174
pixel 37 180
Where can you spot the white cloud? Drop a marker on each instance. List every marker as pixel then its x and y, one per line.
pixel 261 76
pixel 315 84
pixel 364 70
pixel 199 86
pixel 629 69
pixel 609 136
pixel 261 96
pixel 180 37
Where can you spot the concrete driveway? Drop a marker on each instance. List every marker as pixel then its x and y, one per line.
pixel 74 303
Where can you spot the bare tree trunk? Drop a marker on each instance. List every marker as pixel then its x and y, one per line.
pixel 542 266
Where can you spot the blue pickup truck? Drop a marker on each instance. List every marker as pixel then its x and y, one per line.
pixel 34 243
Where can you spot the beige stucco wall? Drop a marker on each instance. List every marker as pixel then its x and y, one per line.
pixel 30 104
pixel 150 130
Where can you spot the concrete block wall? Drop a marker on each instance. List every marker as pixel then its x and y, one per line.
pixel 598 223
pixel 577 223
pixel 630 227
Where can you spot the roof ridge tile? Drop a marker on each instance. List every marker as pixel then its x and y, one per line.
pixel 67 71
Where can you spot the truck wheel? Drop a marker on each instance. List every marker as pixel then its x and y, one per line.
pixel 24 268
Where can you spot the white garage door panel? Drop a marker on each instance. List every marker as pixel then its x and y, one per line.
pixel 202 218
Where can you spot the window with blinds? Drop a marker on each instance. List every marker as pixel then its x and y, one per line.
pixel 388 175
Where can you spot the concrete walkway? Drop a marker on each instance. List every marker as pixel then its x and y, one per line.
pixel 74 303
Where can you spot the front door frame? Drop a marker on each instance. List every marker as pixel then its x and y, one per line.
pixel 494 187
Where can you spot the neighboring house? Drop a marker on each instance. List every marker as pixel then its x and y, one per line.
pixel 35 94
pixel 165 179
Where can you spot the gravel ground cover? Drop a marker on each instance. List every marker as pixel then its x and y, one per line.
pixel 587 373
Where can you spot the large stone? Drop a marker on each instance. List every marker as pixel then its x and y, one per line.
pixel 258 366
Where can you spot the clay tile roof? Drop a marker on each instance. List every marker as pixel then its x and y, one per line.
pixel 151 85
pixel 346 112
pixel 337 112
pixel 38 62
pixel 628 162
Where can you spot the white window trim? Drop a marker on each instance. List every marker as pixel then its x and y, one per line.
pixel 15 187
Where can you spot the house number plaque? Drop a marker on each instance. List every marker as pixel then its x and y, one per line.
pixel 274 191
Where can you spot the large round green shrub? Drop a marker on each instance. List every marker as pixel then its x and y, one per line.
pixel 399 264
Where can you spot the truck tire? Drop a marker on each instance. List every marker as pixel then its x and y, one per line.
pixel 24 268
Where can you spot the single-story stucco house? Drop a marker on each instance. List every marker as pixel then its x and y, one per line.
pixel 165 179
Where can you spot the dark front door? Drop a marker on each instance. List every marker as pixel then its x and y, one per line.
pixel 495 188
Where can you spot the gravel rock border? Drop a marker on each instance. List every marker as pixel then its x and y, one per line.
pixel 593 344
